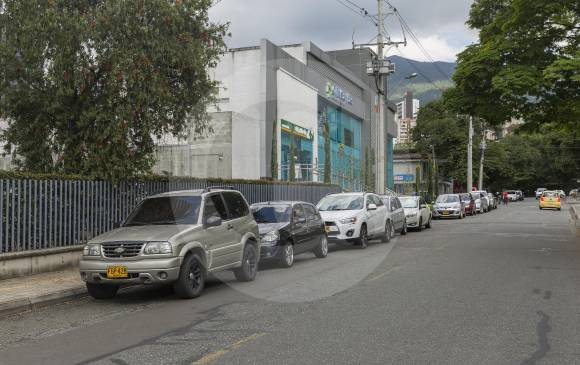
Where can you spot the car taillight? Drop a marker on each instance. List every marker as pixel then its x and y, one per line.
pixel 542 199
pixel 558 199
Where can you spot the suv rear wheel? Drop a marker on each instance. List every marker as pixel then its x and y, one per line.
pixel 191 279
pixel 102 291
pixel 249 268
pixel 388 232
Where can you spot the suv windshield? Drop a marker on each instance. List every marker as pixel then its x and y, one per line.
pixel 409 202
pixel 272 213
pixel 447 199
pixel 166 210
pixel 341 202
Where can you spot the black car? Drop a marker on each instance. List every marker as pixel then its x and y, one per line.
pixel 289 228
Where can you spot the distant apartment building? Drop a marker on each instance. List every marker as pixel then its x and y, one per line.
pixel 406 117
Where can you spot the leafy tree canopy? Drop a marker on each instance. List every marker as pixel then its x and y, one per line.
pixel 526 64
pixel 87 85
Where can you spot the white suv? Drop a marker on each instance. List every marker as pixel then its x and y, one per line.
pixel 354 217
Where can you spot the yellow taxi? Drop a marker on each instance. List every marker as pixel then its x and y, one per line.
pixel 550 200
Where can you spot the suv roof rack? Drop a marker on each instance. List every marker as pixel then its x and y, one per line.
pixel 210 188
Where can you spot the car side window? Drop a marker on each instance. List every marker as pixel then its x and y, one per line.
pixel 378 201
pixel 214 207
pixel 393 204
pixel 236 205
pixel 297 213
pixel 309 212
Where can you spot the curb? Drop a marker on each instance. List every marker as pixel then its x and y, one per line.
pixel 32 303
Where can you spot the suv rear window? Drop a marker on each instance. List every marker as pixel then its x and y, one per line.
pixel 236 205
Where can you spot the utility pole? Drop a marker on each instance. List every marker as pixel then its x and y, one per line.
pixel 435 174
pixel 482 147
pixel 470 156
pixel 380 68
pixel 381 129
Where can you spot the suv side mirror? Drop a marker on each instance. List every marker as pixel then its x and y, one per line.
pixel 213 221
pixel 393 209
pixel 372 207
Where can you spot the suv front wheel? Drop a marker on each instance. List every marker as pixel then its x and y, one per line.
pixel 191 279
pixel 249 268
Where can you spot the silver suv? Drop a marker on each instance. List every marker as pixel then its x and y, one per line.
pixel 175 238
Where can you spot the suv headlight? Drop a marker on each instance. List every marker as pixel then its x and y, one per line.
pixel 158 248
pixel 92 250
pixel 271 237
pixel 348 220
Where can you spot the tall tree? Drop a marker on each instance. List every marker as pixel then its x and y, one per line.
pixel 525 64
pixel 327 148
pixel 88 85
pixel 274 161
pixel 292 162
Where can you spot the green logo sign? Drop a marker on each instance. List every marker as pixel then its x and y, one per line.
pixel 296 130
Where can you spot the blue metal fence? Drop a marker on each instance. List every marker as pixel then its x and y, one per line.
pixel 39 214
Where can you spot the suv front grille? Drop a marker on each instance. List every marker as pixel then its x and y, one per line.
pixel 122 249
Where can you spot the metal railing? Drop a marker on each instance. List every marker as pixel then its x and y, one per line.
pixel 40 214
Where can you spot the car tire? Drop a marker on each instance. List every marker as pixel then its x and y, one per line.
pixel 287 256
pixel 191 280
pixel 102 291
pixel 249 268
pixel 386 237
pixel 363 240
pixel 321 250
pixel 405 229
pixel 428 225
pixel 420 226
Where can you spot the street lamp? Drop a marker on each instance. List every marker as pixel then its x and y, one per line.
pixel 411 76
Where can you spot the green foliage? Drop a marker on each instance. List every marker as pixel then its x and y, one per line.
pixel 274 160
pixel 327 150
pixel 87 85
pixel 526 63
pixel 440 129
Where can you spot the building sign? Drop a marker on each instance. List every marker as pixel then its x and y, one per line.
pixel 296 130
pixel 336 93
pixel 404 178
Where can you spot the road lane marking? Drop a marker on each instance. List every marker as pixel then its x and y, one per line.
pixel 384 274
pixel 209 358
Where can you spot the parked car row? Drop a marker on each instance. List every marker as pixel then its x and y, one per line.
pixel 180 237
pixel 460 205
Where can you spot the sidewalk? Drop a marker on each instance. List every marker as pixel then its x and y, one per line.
pixel 30 292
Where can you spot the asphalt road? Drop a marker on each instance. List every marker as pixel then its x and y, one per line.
pixel 499 288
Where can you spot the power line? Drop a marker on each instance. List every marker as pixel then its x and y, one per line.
pixel 423 50
pixel 352 6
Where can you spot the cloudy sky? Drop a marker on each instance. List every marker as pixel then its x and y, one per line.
pixel 439 24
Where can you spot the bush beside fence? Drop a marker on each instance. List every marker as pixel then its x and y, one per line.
pixel 42 212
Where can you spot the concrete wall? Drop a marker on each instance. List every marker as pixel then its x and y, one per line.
pixel 36 262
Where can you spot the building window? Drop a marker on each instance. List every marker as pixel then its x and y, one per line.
pixel 348 138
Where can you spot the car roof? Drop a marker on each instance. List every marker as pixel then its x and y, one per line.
pixel 282 202
pixel 192 192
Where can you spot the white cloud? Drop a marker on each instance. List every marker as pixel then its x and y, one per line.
pixel 436 46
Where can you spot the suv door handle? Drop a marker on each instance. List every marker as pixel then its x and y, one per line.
pixel 230 227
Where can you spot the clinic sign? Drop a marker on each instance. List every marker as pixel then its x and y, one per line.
pixel 336 93
pixel 296 130
pixel 404 178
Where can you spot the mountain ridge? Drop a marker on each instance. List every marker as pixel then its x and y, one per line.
pixel 438 73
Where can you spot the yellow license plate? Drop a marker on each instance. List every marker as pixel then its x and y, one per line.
pixel 445 212
pixel 117 272
pixel 327 229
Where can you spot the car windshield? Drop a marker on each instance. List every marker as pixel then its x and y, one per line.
pixel 447 199
pixel 272 213
pixel 409 202
pixel 466 197
pixel 341 202
pixel 165 210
